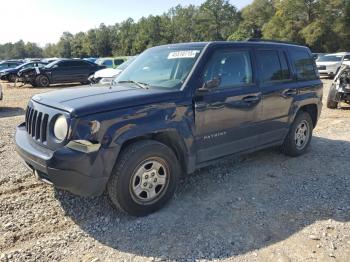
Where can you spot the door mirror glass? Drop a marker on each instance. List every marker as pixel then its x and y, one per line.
pixel 210 84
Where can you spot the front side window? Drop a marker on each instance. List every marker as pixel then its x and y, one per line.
pixel 161 67
pixel 273 67
pixel 118 62
pixel 304 65
pixel 232 68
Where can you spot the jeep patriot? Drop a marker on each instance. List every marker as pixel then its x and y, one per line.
pixel 176 108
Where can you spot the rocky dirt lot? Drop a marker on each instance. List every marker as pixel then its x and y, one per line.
pixel 259 207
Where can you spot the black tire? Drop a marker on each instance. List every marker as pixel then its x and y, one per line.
pixel 42 81
pixel 12 78
pixel 331 104
pixel 289 146
pixel 121 182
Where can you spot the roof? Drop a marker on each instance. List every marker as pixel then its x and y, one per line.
pixel 251 42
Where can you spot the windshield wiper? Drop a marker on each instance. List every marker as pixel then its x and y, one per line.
pixel 139 84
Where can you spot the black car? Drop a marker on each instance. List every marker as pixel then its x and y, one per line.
pixel 340 88
pixel 11 73
pixel 9 64
pixel 175 109
pixel 60 71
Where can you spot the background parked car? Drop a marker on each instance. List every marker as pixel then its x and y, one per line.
pixel 9 64
pixel 340 88
pixel 111 62
pixel 1 96
pixel 90 59
pixel 106 76
pixel 318 55
pixel 61 71
pixel 11 73
pixel 329 64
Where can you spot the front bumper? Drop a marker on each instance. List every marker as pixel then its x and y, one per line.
pixel 328 72
pixel 77 172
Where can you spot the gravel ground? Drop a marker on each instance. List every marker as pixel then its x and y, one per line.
pixel 259 207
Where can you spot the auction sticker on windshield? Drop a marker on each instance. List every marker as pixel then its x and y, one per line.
pixel 183 54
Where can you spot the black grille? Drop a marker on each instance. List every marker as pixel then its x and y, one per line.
pixel 321 67
pixel 36 124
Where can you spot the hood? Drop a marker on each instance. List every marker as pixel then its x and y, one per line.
pixel 98 98
pixel 327 63
pixel 108 72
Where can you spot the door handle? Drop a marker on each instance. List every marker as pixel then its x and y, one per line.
pixel 290 92
pixel 251 99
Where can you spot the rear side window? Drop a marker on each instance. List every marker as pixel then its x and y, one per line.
pixel 65 64
pixel 304 65
pixel 79 63
pixel 273 66
pixel 233 68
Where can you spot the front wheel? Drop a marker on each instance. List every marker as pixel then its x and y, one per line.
pixel 12 78
pixel 144 178
pixel 299 135
pixel 332 94
pixel 42 81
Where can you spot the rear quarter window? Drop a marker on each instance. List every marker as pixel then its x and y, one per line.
pixel 304 65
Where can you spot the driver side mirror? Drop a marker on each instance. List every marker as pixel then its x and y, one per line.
pixel 210 85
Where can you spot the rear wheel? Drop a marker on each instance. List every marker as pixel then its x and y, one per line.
pixel 42 81
pixel 144 178
pixel 299 135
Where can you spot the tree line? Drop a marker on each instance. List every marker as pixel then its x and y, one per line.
pixel 323 25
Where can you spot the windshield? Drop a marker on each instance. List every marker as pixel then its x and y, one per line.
pixel 161 67
pixel 22 65
pixel 330 58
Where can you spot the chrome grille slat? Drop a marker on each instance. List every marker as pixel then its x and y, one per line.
pixel 43 133
pixel 37 124
pixel 34 123
pixel 30 121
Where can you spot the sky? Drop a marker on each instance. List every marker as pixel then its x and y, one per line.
pixel 44 21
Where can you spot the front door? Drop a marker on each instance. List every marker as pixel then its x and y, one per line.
pixel 227 117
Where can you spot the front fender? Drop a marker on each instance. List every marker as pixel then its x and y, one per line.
pixel 118 127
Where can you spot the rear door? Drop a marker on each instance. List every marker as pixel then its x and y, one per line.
pixel 62 72
pixel 81 70
pixel 278 92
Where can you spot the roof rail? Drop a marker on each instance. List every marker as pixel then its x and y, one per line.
pixel 270 40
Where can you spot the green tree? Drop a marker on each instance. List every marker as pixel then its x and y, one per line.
pixel 217 20
pixel 64 46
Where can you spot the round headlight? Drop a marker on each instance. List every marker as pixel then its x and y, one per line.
pixel 60 128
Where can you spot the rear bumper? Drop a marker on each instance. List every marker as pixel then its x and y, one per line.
pixel 65 168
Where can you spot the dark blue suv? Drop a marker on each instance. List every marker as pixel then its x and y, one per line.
pixel 176 108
